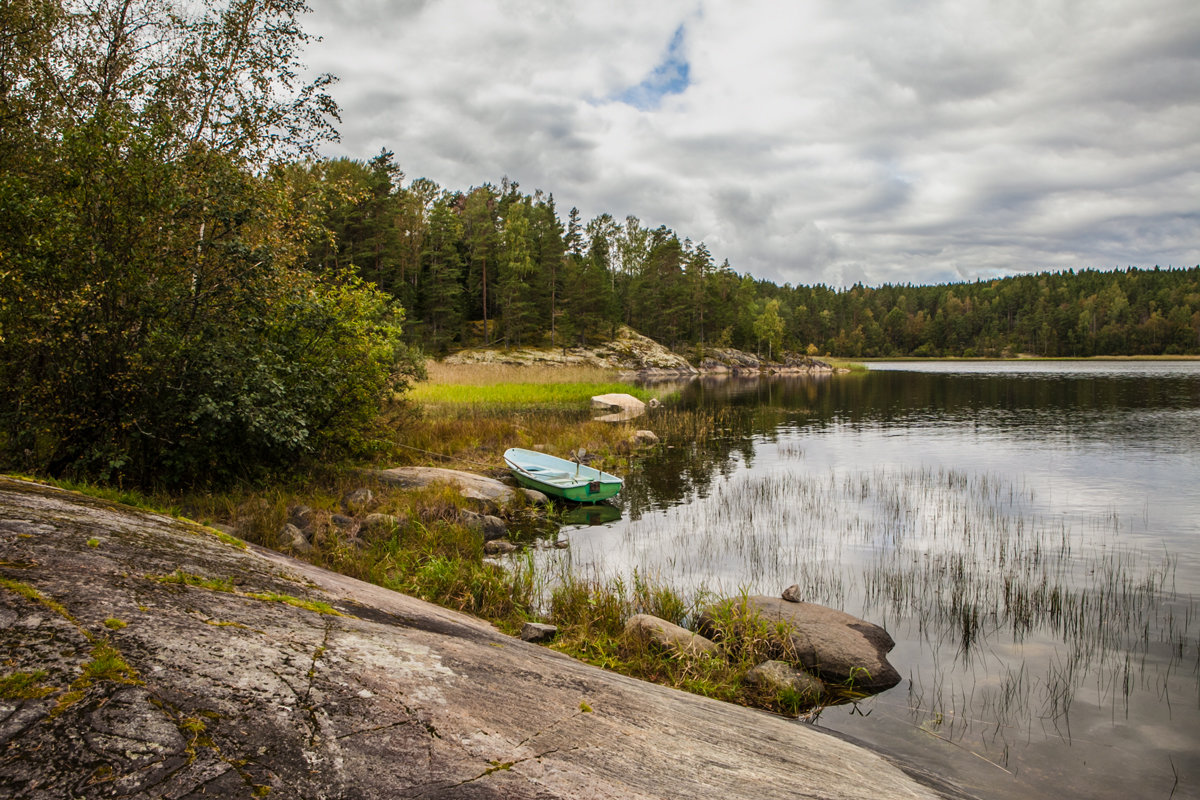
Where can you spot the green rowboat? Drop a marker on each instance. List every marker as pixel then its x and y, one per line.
pixel 558 477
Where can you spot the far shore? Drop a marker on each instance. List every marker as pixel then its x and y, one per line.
pixel 868 360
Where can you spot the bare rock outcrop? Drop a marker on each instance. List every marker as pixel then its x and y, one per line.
pixel 727 360
pixel 148 657
pixel 628 352
pixel 488 492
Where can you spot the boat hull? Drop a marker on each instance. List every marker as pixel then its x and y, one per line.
pixel 558 477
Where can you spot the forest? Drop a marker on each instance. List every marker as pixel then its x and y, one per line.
pixel 492 265
pixel 188 288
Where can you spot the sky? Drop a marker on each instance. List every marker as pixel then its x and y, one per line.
pixel 824 141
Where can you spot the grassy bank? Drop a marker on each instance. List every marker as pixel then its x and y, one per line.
pixel 419 543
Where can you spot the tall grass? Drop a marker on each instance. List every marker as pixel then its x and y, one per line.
pixel 1027 609
pixel 466 416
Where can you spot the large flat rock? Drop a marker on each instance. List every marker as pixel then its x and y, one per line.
pixel 489 492
pixel 237 680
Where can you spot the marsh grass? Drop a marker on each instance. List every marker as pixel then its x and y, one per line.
pixel 1020 610
pixel 591 614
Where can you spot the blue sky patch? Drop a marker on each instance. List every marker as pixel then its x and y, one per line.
pixel 669 77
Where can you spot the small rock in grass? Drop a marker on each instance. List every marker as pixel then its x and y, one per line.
pixel 644 438
pixel 380 526
pixel 292 538
pixel 356 502
pixel 491 527
pixel 776 676
pixel 344 523
pixel 302 517
pixel 498 547
pixel 669 635
pixel 538 632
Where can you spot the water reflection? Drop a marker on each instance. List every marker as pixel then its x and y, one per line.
pixel 591 514
pixel 1030 534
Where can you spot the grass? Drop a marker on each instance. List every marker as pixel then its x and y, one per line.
pixel 852 366
pixel 315 606
pixel 471 415
pixel 107 664
pixel 32 594
pixel 591 616
pixel 182 578
pixel 969 562
pixel 502 387
pixel 24 686
pixel 519 395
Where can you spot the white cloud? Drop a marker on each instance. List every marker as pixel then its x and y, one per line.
pixel 817 142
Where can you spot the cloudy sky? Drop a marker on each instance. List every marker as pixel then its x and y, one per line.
pixel 824 141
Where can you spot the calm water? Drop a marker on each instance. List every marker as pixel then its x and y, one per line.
pixel 1029 533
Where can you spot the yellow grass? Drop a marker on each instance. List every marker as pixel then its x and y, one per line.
pixel 489 374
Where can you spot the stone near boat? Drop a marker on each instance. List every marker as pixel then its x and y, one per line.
pixel 669 636
pixel 773 677
pixel 489 492
pixel 489 526
pixel 833 645
pixel 380 526
pixel 644 438
pixel 357 501
pixel 534 496
pixel 499 547
pixel 620 407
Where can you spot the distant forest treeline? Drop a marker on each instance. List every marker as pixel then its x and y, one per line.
pixel 494 265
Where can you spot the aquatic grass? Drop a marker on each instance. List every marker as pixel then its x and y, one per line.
pixel 967 562
pixel 591 613
pixel 475 440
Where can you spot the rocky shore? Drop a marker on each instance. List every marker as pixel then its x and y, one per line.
pixel 149 657
pixel 631 352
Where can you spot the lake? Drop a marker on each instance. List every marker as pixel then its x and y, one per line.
pixel 1028 532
